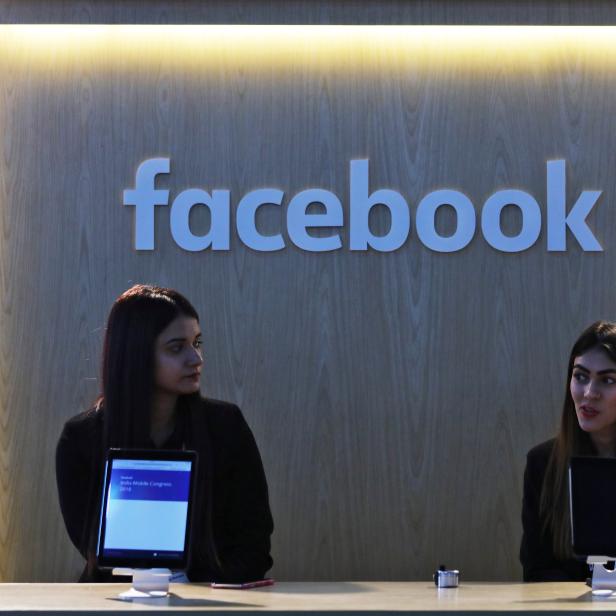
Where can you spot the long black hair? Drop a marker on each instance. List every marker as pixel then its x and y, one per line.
pixel 136 319
pixel 571 440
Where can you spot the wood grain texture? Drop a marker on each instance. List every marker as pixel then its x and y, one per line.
pixel 597 12
pixel 393 396
pixel 369 598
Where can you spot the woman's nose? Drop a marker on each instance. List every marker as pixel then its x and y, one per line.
pixel 591 391
pixel 195 358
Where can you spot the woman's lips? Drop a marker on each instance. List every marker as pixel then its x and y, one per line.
pixel 588 412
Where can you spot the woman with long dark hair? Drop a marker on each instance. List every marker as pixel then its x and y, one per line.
pixel 150 399
pixel 587 428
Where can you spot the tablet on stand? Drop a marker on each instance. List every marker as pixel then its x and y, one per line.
pixel 145 520
pixel 592 501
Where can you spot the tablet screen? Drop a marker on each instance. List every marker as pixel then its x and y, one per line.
pixel 592 483
pixel 146 509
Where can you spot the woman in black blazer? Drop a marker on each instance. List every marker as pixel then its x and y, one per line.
pixel 587 427
pixel 151 373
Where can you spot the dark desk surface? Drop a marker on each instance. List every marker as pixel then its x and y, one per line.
pixel 315 597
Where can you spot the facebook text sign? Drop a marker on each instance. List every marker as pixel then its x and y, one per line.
pixel 145 196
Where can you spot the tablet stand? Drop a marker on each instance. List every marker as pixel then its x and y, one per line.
pixel 147 583
pixel 603 580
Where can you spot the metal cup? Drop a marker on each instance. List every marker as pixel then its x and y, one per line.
pixel 446 578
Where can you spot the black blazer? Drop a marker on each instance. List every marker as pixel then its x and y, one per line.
pixel 232 520
pixel 539 562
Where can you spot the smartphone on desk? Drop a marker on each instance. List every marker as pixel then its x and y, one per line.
pixel 245 585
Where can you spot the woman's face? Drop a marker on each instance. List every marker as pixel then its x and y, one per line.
pixel 593 389
pixel 177 357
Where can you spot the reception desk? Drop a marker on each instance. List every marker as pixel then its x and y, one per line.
pixel 314 597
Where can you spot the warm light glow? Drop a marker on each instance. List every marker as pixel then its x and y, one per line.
pixel 321 48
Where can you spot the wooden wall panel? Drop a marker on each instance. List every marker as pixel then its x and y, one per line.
pixel 308 11
pixel 393 395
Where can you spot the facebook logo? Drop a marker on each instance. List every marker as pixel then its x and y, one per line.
pixel 561 222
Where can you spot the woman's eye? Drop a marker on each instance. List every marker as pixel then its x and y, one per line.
pixel 609 380
pixel 198 344
pixel 176 348
pixel 580 377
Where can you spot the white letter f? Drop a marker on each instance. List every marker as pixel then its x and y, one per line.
pixel 144 197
